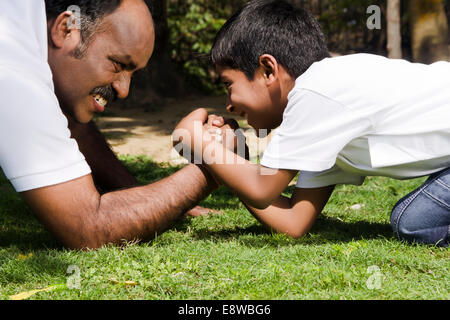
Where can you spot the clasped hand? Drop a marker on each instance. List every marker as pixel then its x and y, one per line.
pixel 198 129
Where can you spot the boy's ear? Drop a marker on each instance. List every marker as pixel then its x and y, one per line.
pixel 63 31
pixel 269 66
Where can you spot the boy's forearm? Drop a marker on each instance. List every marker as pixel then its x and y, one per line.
pixel 281 217
pixel 295 216
pixel 254 184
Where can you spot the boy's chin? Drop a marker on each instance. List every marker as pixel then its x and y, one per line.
pixel 262 133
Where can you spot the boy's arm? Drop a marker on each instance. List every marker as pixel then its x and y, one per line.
pixel 254 184
pixel 295 216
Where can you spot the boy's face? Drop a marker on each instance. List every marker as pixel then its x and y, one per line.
pixel 252 99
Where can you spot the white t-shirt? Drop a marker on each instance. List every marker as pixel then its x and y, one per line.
pixel 364 115
pixel 35 145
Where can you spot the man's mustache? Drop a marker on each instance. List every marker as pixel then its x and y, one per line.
pixel 106 92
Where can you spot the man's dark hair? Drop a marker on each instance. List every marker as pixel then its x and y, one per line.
pixel 91 14
pixel 292 35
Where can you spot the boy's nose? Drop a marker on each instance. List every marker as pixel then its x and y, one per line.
pixel 231 108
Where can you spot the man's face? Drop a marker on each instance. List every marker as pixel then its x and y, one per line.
pixel 122 45
pixel 250 99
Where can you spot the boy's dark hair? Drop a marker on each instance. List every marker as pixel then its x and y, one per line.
pixel 292 35
pixel 91 14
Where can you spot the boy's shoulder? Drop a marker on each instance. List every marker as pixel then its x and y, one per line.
pixel 365 73
pixel 343 66
pixel 338 73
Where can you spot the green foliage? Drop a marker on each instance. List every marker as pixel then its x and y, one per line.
pixel 344 24
pixel 193 26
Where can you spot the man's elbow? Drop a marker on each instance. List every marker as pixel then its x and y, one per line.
pixel 82 236
pixel 83 241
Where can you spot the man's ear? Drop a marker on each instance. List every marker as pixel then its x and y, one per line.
pixel 63 32
pixel 269 66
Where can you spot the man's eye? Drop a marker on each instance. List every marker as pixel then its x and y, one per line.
pixel 118 66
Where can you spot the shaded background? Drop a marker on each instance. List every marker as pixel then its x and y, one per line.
pixel 416 30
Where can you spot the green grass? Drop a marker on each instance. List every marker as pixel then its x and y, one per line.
pixel 231 256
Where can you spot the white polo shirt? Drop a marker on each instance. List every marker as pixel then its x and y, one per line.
pixel 35 145
pixel 364 115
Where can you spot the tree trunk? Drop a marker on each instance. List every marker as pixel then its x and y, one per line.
pixel 429 31
pixel 394 35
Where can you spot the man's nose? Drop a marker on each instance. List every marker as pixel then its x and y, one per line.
pixel 122 85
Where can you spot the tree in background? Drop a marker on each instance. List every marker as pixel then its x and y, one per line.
pixel 429 30
pixel 194 25
pixel 394 34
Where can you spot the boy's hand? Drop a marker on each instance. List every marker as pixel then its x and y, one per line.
pixel 198 129
pixel 232 137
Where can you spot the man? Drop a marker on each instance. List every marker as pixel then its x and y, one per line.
pixel 57 73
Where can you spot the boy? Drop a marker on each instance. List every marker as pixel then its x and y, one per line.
pixel 340 120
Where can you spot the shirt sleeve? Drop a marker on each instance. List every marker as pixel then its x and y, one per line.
pixel 35 145
pixel 313 132
pixel 330 177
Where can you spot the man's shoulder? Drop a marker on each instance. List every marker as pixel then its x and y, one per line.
pixel 19 86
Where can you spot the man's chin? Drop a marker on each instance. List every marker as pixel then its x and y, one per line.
pixel 84 118
pixel 79 117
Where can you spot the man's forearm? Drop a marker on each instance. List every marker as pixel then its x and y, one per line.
pixel 142 212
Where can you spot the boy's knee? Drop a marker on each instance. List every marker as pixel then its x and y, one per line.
pixel 407 226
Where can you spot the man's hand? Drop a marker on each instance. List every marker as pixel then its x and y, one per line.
pixel 199 211
pixel 190 132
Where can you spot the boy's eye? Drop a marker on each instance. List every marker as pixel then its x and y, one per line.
pixel 227 84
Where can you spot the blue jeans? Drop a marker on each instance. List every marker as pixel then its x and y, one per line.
pixel 423 216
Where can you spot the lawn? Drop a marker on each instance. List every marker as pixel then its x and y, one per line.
pixel 351 253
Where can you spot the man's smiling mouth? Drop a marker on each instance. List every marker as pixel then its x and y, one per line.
pixel 100 100
pixel 101 96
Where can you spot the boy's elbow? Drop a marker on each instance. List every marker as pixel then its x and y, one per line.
pixel 297 231
pixel 296 234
